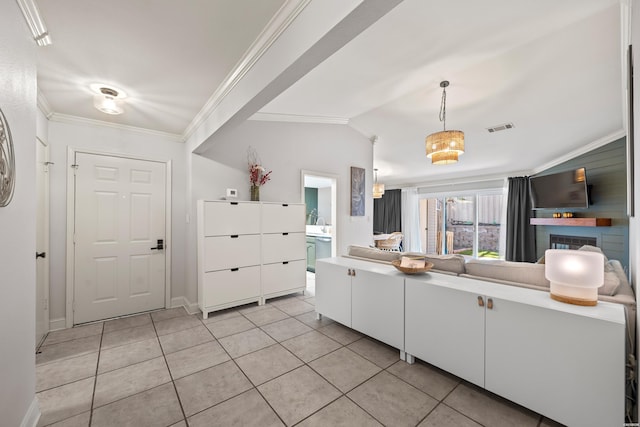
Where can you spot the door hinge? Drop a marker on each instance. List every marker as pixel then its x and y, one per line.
pixel 75 168
pixel 46 304
pixel 73 306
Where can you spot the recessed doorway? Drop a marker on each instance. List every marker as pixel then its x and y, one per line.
pixel 319 193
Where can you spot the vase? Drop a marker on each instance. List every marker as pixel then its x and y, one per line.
pixel 255 193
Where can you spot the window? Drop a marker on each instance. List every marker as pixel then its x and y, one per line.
pixel 469 224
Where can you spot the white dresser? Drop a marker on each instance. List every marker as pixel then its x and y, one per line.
pixel 249 251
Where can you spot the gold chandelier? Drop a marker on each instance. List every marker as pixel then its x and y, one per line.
pixel 444 147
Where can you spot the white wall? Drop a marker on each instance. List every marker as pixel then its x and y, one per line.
pixel 324 205
pixel 17 222
pixel 286 149
pixel 114 141
pixel 634 223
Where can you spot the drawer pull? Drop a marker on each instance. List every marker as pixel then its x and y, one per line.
pixel 285 262
pixel 234 203
pixel 235 269
pixel 490 304
pixel 234 236
pixel 480 301
pixel 285 234
pixel 285 204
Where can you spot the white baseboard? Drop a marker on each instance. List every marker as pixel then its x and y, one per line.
pixel 57 324
pixel 32 416
pixel 192 308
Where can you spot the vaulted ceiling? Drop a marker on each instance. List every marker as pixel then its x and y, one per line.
pixel 552 68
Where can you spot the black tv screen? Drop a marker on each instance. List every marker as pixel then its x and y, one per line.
pixel 560 190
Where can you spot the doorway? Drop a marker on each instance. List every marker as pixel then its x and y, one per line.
pixel 42 240
pixel 119 246
pixel 319 193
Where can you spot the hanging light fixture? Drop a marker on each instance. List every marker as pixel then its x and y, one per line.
pixel 378 189
pixel 444 147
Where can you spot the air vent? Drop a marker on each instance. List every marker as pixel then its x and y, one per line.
pixel 500 127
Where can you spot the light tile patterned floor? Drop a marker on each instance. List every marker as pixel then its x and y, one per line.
pixel 269 365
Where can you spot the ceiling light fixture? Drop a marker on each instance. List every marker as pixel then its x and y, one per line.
pixel 107 99
pixel 378 189
pixel 444 147
pixel 31 14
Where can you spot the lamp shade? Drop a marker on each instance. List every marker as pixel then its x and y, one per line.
pixel 378 190
pixel 444 147
pixel 575 276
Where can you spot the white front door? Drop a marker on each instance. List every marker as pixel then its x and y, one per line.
pixel 119 224
pixel 42 240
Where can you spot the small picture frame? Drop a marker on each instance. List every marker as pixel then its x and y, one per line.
pixel 357 191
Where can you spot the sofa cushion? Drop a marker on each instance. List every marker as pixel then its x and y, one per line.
pixel 373 253
pixel 452 263
pixel 522 272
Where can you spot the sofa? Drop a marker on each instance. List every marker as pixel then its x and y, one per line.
pixel 616 286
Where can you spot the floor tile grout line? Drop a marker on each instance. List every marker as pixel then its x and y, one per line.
pixel 173 383
pixel 95 379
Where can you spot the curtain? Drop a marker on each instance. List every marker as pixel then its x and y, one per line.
pixel 411 220
pixel 521 236
pixel 387 212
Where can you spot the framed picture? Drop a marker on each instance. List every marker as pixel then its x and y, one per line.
pixel 357 191
pixel 7 163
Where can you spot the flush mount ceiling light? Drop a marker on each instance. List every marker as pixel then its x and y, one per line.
pixel 444 147
pixel 107 98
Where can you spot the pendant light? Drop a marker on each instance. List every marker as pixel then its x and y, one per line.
pixel 444 147
pixel 378 189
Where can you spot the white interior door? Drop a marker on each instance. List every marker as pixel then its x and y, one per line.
pixel 119 222
pixel 42 240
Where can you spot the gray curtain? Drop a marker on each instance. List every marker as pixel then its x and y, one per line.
pixel 387 212
pixel 521 235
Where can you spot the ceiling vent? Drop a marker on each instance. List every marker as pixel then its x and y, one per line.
pixel 500 127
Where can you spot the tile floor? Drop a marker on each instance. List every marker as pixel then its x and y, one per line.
pixel 268 365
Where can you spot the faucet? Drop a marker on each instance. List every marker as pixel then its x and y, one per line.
pixel 324 224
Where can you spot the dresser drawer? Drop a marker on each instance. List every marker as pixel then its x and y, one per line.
pixel 225 286
pixel 283 247
pixel 283 217
pixel 225 252
pixel 281 277
pixel 225 218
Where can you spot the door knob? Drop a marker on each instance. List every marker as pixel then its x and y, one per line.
pixel 160 245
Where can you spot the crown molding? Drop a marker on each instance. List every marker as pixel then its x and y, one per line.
pixel 582 150
pixel 75 120
pixel 299 118
pixel 276 26
pixel 36 25
pixel 44 106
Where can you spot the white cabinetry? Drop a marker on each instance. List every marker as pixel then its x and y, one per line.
pixel 368 299
pixel 564 361
pixel 284 249
pixel 249 251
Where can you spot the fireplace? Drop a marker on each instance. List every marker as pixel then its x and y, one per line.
pixel 557 241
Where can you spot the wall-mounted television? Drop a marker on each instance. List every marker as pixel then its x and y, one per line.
pixel 560 190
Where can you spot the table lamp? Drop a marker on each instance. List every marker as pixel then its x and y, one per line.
pixel 575 276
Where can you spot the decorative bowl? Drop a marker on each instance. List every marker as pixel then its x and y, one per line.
pixel 408 270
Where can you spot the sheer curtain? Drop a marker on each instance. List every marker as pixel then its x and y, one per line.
pixel 411 220
pixel 521 235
